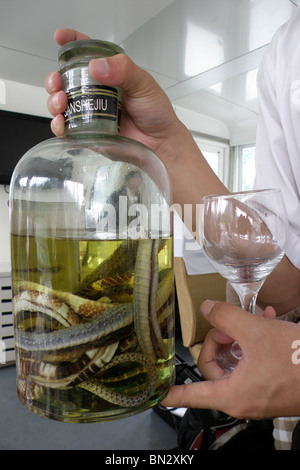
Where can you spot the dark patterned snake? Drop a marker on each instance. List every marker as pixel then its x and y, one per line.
pixel 80 351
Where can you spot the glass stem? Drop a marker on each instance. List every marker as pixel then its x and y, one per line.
pixel 247 293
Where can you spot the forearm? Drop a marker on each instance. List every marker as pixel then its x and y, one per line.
pixel 190 174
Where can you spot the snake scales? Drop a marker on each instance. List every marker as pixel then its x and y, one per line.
pixel 93 335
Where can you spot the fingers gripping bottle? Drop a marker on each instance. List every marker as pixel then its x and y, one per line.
pixel 92 260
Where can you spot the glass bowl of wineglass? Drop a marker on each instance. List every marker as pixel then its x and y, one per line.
pixel 243 236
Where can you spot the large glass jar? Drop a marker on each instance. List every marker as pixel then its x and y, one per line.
pixel 92 261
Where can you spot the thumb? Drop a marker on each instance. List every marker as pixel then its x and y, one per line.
pixel 120 70
pixel 228 318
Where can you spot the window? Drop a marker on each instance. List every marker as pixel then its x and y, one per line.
pixel 244 168
pixel 248 168
pixel 236 171
pixel 217 155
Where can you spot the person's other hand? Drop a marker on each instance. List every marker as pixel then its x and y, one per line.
pixel 265 382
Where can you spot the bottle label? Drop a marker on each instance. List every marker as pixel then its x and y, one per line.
pixel 92 102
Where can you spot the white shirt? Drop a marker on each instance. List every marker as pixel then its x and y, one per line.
pixel 278 127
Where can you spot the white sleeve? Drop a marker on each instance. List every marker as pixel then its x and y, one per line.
pixel 278 140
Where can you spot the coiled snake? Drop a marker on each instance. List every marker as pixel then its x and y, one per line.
pixel 92 335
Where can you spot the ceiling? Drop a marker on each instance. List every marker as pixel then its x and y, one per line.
pixel 203 53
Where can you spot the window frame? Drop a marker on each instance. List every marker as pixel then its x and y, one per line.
pixel 222 148
pixel 237 170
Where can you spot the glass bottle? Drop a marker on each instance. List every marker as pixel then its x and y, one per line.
pixel 92 261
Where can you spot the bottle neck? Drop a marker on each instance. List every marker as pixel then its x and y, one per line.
pixel 92 107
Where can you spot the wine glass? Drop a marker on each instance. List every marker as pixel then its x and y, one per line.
pixel 243 237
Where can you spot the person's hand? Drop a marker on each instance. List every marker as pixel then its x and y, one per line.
pixel 266 381
pixel 147 117
pixel 147 114
pixel 214 339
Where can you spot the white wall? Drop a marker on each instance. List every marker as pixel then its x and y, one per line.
pixel 197 122
pixel 4 231
pixel 22 98
pixel 243 133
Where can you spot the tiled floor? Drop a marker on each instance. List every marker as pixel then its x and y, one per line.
pixel 21 429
